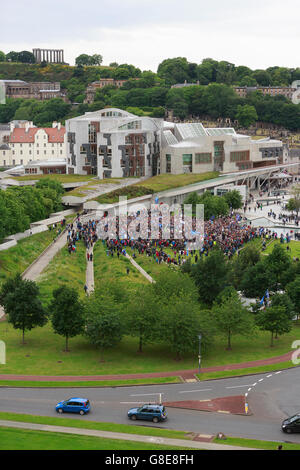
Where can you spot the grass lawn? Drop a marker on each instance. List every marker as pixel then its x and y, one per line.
pixel 93 185
pixel 294 248
pixel 254 444
pixel 19 257
pixel 43 354
pixel 98 426
pixel 155 184
pixel 109 268
pixel 164 182
pixel 64 268
pixel 61 178
pixel 24 439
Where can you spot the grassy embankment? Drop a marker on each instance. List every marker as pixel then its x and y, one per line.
pixel 155 184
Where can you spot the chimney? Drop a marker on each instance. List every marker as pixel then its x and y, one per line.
pixel 58 126
pixel 54 124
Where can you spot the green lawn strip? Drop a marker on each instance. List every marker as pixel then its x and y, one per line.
pixel 87 383
pixel 17 258
pixel 246 371
pixel 293 245
pixel 64 268
pixel 165 182
pixel 93 185
pixel 253 443
pixel 95 425
pixel 24 439
pixel 43 354
pixel 113 268
pixel 61 178
pixel 155 184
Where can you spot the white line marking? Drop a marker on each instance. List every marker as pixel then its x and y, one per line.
pixel 269 376
pixel 254 384
pixel 249 389
pixel 260 380
pixel 146 394
pixel 130 402
pixel 239 386
pixel 194 391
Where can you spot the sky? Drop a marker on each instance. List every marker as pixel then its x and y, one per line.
pixel 255 33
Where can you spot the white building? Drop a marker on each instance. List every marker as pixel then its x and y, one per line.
pixel 27 143
pixel 191 148
pixel 113 143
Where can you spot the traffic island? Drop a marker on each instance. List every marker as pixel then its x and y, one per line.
pixel 231 405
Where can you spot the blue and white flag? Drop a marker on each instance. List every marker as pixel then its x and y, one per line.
pixel 262 301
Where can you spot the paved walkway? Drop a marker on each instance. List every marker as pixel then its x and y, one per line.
pixel 171 443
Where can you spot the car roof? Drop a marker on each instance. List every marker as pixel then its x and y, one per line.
pixel 78 399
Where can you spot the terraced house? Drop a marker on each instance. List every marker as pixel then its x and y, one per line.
pixel 30 144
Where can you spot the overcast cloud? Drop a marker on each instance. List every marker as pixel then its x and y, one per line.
pixel 256 33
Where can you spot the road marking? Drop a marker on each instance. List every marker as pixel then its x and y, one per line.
pixel 130 402
pixel 260 380
pixel 192 391
pixel 270 375
pixel 239 386
pixel 146 394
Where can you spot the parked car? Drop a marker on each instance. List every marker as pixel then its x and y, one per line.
pixel 291 424
pixel 148 412
pixel 74 405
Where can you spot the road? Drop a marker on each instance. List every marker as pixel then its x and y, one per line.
pixel 271 397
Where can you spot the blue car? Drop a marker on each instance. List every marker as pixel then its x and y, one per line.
pixel 148 412
pixel 74 405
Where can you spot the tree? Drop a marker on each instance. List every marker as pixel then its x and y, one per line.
pixel 234 199
pixel 174 70
pixel 246 115
pixel 21 302
pixel 293 291
pixel 211 276
pixel 248 257
pixel 26 57
pixel 257 279
pixel 231 316
pixel 275 320
pixel 82 59
pixel 96 59
pixel 104 325
pixel 180 318
pixel 66 312
pixel 142 316
pixel 2 57
pixel 278 262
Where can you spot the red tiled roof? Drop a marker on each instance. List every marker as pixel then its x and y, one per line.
pixel 55 135
pixel 20 135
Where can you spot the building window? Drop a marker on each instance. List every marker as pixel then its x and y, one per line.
pixel 168 163
pixel 240 156
pixel 203 158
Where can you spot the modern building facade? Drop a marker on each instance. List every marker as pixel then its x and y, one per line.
pixel 113 143
pixel 191 148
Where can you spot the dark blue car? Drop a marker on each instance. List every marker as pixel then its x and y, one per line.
pixel 148 412
pixel 74 405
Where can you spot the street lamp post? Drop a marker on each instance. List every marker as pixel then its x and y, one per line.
pixel 199 355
